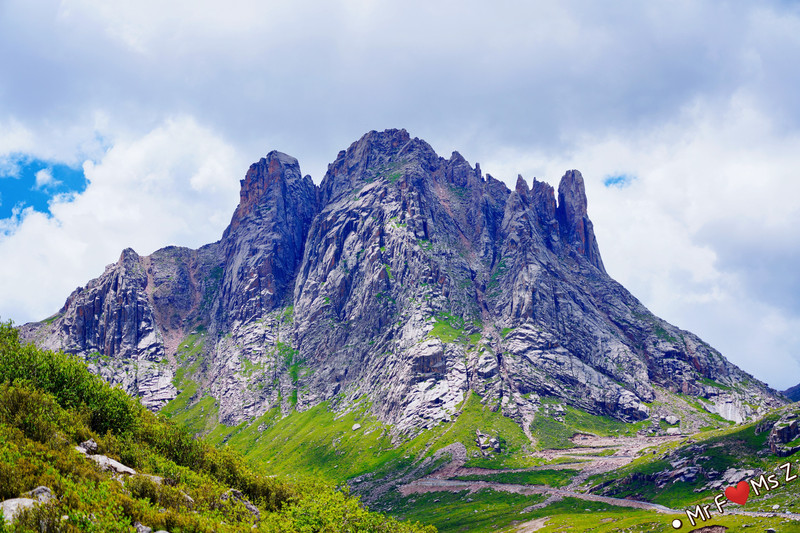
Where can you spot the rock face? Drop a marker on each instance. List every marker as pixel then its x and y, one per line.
pixel 111 322
pixel 784 437
pixel 405 278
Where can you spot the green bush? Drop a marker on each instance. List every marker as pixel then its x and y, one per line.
pixel 67 379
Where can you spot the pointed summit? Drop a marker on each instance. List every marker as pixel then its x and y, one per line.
pixel 271 171
pixel 374 154
pixel 575 226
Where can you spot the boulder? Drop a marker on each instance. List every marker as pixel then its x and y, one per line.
pixel 89 446
pixel 11 508
pixel 110 465
pixel 233 494
pixel 140 528
pixel 41 494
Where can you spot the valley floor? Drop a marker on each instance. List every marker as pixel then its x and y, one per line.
pixel 554 503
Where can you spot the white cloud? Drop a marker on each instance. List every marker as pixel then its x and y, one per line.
pixel 44 178
pixel 14 138
pixel 178 184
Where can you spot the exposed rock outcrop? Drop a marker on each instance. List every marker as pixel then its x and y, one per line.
pixel 784 436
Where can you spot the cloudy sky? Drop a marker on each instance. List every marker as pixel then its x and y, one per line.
pixel 130 123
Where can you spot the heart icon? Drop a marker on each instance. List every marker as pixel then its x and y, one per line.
pixel 739 493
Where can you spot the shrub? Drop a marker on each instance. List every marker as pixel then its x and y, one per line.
pixel 68 380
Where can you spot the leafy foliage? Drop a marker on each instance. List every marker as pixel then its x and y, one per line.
pixel 67 379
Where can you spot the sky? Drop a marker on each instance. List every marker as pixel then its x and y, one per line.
pixel 130 123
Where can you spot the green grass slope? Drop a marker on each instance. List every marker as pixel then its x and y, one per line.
pixel 49 402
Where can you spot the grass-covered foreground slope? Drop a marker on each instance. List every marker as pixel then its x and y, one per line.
pixel 49 403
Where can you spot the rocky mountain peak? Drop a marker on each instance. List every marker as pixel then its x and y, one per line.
pixel 375 154
pixel 405 278
pixel 576 228
pixel 129 257
pixel 272 172
pixel 264 243
pixel 522 187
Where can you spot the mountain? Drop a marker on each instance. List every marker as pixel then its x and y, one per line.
pixel 793 393
pixel 404 279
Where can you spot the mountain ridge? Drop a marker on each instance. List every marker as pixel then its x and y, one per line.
pixel 793 393
pixel 405 278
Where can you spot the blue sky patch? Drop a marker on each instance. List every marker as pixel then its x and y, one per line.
pixel 619 181
pixel 26 181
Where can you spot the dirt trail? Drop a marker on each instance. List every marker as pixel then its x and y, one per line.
pixel 533 525
pixel 437 485
pixel 593 452
pixel 593 455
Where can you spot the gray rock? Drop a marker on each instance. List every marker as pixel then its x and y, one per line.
pixel 11 508
pixel 140 528
pixel 89 446
pixel 111 465
pixel 783 432
pixel 672 420
pixel 41 494
pixel 732 476
pixel 487 365
pixel 233 494
pixel 356 427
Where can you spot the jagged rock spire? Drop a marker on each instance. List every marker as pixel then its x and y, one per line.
pixel 574 224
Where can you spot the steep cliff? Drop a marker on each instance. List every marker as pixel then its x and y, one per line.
pixel 405 278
